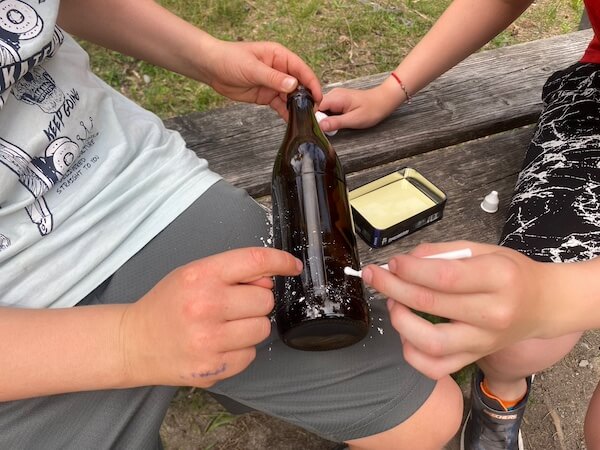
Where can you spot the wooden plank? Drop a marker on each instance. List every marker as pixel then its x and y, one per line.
pixel 489 92
pixel 469 171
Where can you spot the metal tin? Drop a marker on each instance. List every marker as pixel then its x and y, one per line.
pixel 394 206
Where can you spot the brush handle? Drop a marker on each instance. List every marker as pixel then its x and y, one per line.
pixel 454 254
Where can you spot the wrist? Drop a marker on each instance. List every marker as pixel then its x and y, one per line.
pixel 389 96
pixel 117 343
pixel 201 56
pixel 131 371
pixel 407 96
pixel 82 351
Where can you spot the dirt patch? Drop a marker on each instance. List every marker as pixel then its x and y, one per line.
pixel 554 417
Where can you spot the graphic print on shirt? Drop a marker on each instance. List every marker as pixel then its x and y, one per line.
pixel 37 87
pixel 20 23
pixel 39 174
pixel 4 242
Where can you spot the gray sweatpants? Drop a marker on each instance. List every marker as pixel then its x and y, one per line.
pixel 344 394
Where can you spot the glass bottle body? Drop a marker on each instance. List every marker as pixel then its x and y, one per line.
pixel 322 308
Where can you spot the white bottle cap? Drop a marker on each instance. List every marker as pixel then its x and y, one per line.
pixel 490 202
pixel 320 116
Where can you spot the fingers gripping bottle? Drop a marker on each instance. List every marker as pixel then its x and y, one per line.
pixel 322 308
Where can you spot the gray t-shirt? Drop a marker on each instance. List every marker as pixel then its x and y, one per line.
pixel 87 177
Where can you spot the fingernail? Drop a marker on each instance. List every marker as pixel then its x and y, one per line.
pixel 389 303
pixel 289 84
pixel 298 264
pixel 367 275
pixel 392 265
pixel 324 125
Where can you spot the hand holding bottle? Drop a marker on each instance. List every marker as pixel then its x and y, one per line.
pixel 201 322
pixel 255 72
pixel 494 299
pixel 258 72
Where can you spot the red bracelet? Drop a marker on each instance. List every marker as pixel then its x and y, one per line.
pixel 408 97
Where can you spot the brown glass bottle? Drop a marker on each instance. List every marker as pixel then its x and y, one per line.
pixel 322 308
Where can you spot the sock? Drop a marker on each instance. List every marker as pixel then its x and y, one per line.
pixel 506 405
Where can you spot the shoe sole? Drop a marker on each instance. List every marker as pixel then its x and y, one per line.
pixel 462 435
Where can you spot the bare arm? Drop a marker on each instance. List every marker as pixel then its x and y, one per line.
pixel 198 325
pixel 254 72
pixel 60 350
pixel 466 26
pixel 143 29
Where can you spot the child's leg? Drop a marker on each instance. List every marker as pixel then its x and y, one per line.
pixel 443 408
pixel 505 371
pixel 592 422
pixel 552 216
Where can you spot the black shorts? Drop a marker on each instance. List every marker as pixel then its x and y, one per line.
pixel 554 214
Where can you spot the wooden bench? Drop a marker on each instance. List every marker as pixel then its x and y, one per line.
pixel 467 132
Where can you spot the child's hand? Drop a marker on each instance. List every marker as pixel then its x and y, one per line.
pixel 494 299
pixel 353 108
pixel 258 72
pixel 200 323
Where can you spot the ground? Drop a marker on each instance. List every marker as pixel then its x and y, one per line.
pixel 554 418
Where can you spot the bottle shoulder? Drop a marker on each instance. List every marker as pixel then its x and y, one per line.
pixel 307 152
pixel 307 145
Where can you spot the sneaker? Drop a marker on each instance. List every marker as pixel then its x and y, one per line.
pixel 488 426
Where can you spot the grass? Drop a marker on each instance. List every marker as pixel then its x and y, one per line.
pixel 339 39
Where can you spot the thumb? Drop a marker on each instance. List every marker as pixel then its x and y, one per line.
pixel 274 79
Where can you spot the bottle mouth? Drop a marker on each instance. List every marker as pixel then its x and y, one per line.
pixel 301 94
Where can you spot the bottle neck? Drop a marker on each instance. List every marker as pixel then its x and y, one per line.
pixel 301 118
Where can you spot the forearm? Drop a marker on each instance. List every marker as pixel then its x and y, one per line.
pixel 142 29
pixel 465 26
pixel 53 351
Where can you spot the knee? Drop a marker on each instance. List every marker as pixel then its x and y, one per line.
pixel 431 427
pixel 530 356
pixel 450 415
pixel 446 414
pixel 440 417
